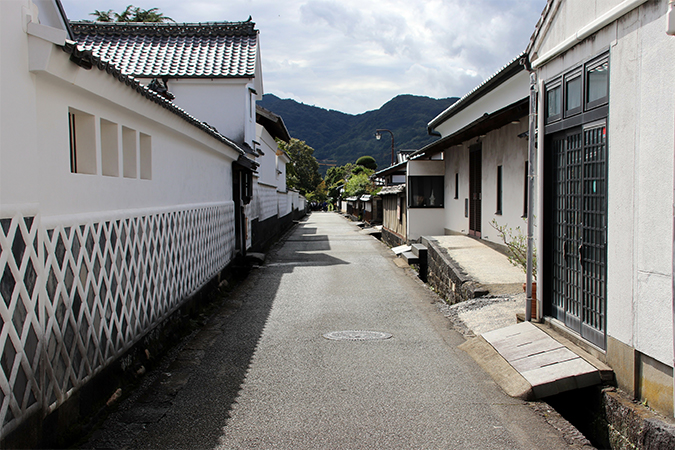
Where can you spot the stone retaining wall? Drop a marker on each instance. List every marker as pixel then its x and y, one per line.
pixel 391 239
pixel 446 277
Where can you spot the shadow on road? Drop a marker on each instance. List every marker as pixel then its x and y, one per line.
pixel 190 401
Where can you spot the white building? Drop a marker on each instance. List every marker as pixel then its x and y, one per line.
pixel 116 205
pixel 484 146
pixel 212 70
pixel 274 206
pixel 606 148
pixel 416 207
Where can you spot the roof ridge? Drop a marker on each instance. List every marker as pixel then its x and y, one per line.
pixel 166 28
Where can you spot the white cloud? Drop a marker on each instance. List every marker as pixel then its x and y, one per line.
pixel 355 55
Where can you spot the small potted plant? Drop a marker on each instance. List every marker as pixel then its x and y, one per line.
pixel 516 242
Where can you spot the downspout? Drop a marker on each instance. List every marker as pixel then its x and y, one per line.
pixel 540 188
pixel 530 189
pixel 670 30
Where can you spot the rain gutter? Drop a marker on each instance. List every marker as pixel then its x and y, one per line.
pixel 610 16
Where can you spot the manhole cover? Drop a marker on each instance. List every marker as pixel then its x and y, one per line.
pixel 352 335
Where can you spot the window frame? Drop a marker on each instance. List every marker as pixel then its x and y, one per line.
pixel 588 67
pixel 548 87
pixel 456 185
pixel 589 111
pixel 569 76
pixel 500 190
pixel 414 189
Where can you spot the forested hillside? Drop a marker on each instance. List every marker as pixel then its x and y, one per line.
pixel 339 138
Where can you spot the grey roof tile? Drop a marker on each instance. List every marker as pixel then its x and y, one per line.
pixel 191 50
pixel 87 60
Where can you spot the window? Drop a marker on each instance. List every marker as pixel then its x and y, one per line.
pixel 499 190
pixel 82 131
pixel 597 82
pixel 146 156
pixel 110 164
pixel 129 152
pixel 572 93
pixel 426 192
pixel 456 185
pixel 553 102
pixel 582 90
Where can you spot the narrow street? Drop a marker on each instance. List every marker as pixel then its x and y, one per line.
pixel 263 374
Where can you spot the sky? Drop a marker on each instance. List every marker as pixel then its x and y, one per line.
pixel 355 55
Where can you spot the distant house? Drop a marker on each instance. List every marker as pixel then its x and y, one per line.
pixel 484 146
pixel 117 205
pixel 606 140
pixel 413 198
pixel 273 206
pixel 394 212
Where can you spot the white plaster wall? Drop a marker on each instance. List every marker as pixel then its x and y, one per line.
pixel 425 222
pixel 284 203
pixel 282 160
pixel 507 93
pixel 426 168
pixel 18 136
pixel 503 147
pixel 268 161
pixel 653 112
pixel 267 197
pixel 188 166
pixel 184 170
pixel 456 161
pixel 222 103
pixel 499 147
pixel 572 16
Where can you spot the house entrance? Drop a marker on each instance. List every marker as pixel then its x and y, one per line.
pixel 475 173
pixel 577 216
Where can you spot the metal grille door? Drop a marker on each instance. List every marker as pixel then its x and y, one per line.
pixel 579 222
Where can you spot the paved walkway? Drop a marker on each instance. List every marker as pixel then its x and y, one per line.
pixel 267 371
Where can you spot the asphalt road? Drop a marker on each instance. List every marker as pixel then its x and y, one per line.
pixel 261 374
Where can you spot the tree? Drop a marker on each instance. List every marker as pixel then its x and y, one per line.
pixel 319 195
pixel 359 184
pixel 367 162
pixel 132 14
pixel 103 16
pixel 303 172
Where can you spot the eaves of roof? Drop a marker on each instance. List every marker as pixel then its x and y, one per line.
pixel 392 190
pixel 273 123
pixel 542 24
pixel 391 169
pixel 87 60
pixel 176 50
pixel 478 127
pixel 506 72
pixel 64 17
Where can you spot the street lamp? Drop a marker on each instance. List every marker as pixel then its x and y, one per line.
pixel 378 136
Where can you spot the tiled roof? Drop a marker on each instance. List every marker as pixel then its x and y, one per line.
pixel 187 50
pixel 87 60
pixel 391 190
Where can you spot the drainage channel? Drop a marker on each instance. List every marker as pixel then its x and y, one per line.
pixel 584 410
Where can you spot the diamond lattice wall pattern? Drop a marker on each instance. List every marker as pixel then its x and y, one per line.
pixel 77 295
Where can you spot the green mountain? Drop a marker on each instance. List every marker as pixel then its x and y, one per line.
pixel 338 138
